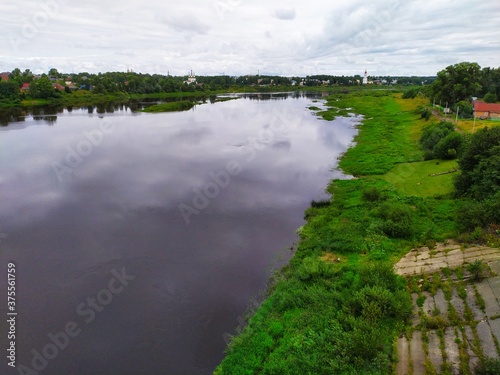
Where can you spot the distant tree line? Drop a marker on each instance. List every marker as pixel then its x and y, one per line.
pixel 42 86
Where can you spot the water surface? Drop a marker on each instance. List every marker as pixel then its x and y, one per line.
pixel 73 211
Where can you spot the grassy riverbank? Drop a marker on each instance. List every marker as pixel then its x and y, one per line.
pixel 338 307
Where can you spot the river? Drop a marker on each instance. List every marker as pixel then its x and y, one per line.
pixel 139 239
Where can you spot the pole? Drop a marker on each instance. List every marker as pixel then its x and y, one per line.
pixel 456 119
pixel 474 125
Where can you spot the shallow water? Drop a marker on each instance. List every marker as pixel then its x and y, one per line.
pixel 197 207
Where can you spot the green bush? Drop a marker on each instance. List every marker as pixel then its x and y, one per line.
pixel 490 97
pixel 480 165
pixel 437 139
pixel 398 222
pixel 410 93
pixel 489 366
pixel 371 194
pixel 450 146
pixel 426 114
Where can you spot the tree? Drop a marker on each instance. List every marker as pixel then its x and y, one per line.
pixel 42 88
pixel 54 73
pixel 457 82
pixel 9 90
pixel 480 165
pixel 490 98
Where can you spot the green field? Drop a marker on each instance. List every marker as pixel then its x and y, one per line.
pixel 417 178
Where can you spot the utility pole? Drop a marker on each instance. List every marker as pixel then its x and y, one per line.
pixel 456 119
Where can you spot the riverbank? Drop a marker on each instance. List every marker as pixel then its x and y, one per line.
pixel 338 307
pixel 87 98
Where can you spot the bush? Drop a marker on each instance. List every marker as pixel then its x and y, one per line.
pixel 410 93
pixel 398 221
pixel 433 134
pixel 489 366
pixel 479 164
pixel 426 114
pixel 371 194
pixel 450 146
pixel 490 98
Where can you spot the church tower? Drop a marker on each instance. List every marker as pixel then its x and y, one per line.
pixel 365 78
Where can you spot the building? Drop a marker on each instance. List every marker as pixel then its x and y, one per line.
pixel 25 87
pixel 191 78
pixel 4 76
pixel 485 111
pixel 365 78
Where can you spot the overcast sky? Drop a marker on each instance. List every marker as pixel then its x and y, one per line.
pixel 237 37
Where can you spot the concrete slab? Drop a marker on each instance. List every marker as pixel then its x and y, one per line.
pixel 428 303
pixel 495 267
pixel 415 317
pixel 458 303
pixel 441 303
pixel 487 343
pixel 495 328
pixel 417 353
pixel 492 306
pixel 495 286
pixel 474 358
pixel 455 253
pixel 451 349
pixel 403 365
pixel 434 350
pixel 471 302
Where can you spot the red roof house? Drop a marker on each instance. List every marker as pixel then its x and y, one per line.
pixel 484 110
pixel 25 87
pixel 59 87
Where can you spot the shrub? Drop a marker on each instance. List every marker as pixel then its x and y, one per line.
pixel 410 93
pixel 426 114
pixel 490 98
pixel 489 366
pixel 479 164
pixel 435 133
pixel 450 146
pixel 371 194
pixel 398 220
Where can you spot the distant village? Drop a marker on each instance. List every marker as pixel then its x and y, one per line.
pixel 158 83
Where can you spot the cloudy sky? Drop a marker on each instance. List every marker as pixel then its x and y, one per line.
pixel 236 37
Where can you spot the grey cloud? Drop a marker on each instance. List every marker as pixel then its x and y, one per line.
pixel 185 23
pixel 285 14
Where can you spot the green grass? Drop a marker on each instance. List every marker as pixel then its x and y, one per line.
pixel 415 178
pixel 182 105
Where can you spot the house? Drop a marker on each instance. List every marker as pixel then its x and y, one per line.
pixel 4 76
pixel 25 87
pixel 484 110
pixel 57 86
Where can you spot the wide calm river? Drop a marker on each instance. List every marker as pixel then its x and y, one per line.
pixel 139 239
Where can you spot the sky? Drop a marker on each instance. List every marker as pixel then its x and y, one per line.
pixel 239 37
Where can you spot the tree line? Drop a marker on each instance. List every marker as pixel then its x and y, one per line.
pixel 41 87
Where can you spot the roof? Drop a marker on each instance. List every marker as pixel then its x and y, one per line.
pixel 481 106
pixel 25 86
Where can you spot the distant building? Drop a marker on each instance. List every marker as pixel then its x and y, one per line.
pixel 57 86
pixel 4 76
pixel 365 78
pixel 484 110
pixel 191 79
pixel 25 87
